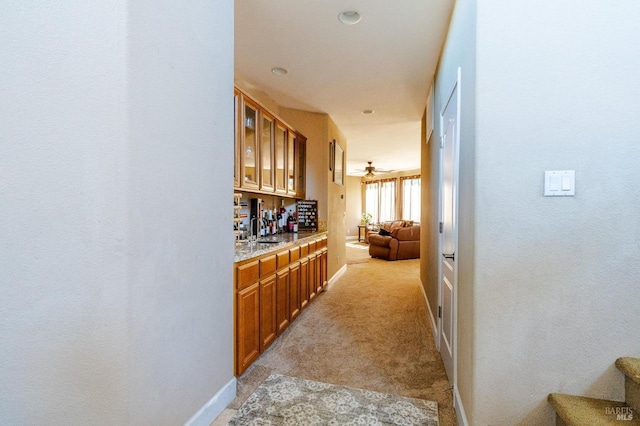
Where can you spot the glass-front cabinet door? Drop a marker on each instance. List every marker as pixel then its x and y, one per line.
pixel 266 151
pixel 300 163
pixel 280 153
pixel 249 153
pixel 291 163
pixel 236 138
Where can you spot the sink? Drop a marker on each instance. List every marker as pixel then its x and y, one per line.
pixel 269 241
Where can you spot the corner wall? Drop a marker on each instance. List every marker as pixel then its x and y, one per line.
pixel 458 51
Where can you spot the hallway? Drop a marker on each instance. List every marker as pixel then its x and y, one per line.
pixel 370 330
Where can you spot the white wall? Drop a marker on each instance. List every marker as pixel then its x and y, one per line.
pixel 548 286
pixel 116 290
pixel 556 278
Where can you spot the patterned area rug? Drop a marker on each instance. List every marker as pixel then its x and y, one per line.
pixel 283 400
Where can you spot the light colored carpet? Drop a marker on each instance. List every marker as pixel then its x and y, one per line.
pixel 283 400
pixel 370 331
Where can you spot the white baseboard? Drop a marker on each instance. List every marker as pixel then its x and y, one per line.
pixel 457 405
pixel 337 276
pixel 216 405
pixel 352 237
pixel 434 323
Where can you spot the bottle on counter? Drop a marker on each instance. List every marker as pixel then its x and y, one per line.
pixel 290 222
pixel 295 222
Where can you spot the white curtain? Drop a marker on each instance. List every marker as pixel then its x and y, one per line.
pixel 387 201
pixel 411 199
pixel 371 200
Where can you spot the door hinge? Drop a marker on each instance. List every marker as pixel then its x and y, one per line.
pixel 441 227
pixel 439 311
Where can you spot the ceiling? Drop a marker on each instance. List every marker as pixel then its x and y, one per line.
pixel 384 63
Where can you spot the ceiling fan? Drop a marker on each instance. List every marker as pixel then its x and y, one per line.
pixel 367 172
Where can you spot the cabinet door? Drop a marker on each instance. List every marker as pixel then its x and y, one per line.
pixel 268 324
pixel 282 302
pixel 313 282
pixel 247 327
pixel 281 158
pixel 294 290
pixel 236 138
pixel 304 283
pixel 266 151
pixel 300 165
pixel 323 268
pixel 250 147
pixel 291 163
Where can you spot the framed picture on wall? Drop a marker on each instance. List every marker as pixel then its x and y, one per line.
pixel 338 164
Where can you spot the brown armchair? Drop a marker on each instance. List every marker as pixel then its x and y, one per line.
pixel 403 243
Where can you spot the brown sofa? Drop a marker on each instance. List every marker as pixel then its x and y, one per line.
pixel 387 226
pixel 403 243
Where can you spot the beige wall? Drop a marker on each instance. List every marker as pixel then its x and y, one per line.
pixel 429 221
pixel 337 208
pixel 354 204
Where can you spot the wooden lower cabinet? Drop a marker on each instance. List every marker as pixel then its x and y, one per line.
pixel 304 282
pixel 268 321
pixel 247 326
pixel 270 292
pixel 323 268
pixel 294 290
pixel 282 299
pixel 313 282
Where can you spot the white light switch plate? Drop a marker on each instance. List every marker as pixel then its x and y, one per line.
pixel 559 183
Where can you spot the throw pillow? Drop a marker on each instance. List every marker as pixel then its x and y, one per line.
pixel 384 232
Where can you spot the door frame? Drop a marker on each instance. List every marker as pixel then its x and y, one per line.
pixel 454 90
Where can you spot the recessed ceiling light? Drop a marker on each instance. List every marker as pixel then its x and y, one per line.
pixel 279 71
pixel 368 111
pixel 349 17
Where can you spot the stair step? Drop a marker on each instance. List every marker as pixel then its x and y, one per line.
pixel 579 411
pixel 631 369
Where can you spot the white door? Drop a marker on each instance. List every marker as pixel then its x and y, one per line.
pixel 450 140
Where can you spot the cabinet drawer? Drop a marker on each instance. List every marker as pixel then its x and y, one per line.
pixel 282 259
pixel 312 246
pixel 247 274
pixel 294 254
pixel 304 249
pixel 267 265
pixel 322 242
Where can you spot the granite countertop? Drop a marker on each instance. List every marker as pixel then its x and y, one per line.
pixel 244 251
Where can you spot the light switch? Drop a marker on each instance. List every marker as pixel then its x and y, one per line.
pixel 559 183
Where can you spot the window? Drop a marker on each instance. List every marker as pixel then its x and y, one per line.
pixel 371 200
pixel 411 198
pixel 387 200
pixel 380 199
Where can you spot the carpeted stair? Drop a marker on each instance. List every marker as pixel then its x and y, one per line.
pixel 579 410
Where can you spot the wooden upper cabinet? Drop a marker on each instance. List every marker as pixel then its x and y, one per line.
pixel 269 155
pixel 249 153
pixel 291 163
pixel 267 134
pixel 281 158
pixel 300 165
pixel 236 138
